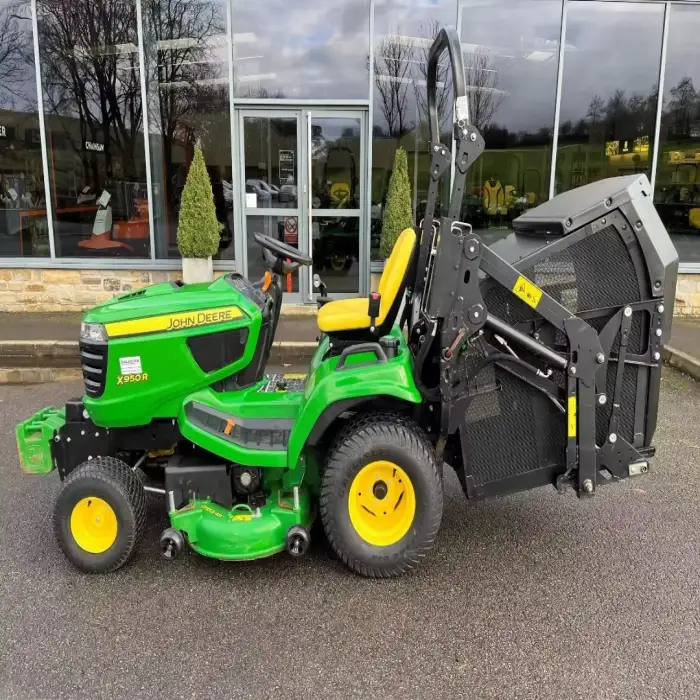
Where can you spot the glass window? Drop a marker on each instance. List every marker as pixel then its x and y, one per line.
pixel 23 223
pixel 301 49
pixel 271 157
pixel 187 57
pixel 92 102
pixel 677 187
pixel 511 57
pixel 609 91
pixel 403 33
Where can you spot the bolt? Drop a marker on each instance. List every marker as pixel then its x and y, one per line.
pixel 82 432
pixel 568 223
pixel 624 227
pixel 612 438
pixel 600 358
pixel 657 356
pixel 660 308
pixel 628 311
pixel 456 267
pixel 602 399
pixel 86 415
pixel 588 486
pixel 67 439
pixel 473 137
pixel 602 221
pixel 658 332
pixel 476 314
pixel 442 151
pixel 536 336
pixel 97 435
pixel 638 224
pixel 464 132
pixel 471 248
pixel 608 202
pixel 572 371
pixel 57 438
pixel 436 148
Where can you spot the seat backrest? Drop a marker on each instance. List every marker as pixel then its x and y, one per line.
pixel 394 278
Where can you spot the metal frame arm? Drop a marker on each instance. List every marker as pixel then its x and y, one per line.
pixel 446 39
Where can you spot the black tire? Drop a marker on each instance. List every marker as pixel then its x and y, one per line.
pixel 112 481
pixel 395 438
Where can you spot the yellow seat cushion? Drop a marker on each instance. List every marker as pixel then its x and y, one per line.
pixel 352 314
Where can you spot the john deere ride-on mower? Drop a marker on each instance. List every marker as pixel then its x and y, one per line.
pixel 533 361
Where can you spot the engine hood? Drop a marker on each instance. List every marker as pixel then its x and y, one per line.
pixel 171 298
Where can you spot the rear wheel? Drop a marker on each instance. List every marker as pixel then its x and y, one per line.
pixel 100 515
pixel 381 495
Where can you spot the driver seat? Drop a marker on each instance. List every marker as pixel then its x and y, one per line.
pixel 349 318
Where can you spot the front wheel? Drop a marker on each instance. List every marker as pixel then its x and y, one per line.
pixel 100 515
pixel 381 495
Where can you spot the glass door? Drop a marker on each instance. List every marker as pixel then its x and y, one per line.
pixel 335 151
pixel 270 187
pixel 302 175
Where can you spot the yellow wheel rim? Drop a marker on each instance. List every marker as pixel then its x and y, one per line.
pixel 382 503
pixel 93 524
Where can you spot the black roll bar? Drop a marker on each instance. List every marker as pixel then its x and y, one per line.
pixel 446 39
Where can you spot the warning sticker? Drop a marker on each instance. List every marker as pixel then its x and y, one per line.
pixel 131 365
pixel 527 291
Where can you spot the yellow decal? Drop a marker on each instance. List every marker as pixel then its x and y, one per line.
pixel 527 291
pixel 131 378
pixel 242 516
pixel 209 509
pixel 173 322
pixel 572 416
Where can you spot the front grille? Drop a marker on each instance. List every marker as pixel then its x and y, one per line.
pixel 93 361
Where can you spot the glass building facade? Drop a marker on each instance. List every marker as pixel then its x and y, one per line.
pixel 299 109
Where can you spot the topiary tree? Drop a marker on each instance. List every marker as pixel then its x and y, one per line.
pixel 398 212
pixel 198 229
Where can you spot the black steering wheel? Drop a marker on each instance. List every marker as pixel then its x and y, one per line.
pixel 281 251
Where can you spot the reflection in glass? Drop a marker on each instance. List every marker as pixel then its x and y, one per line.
pixel 677 187
pixel 23 223
pixel 271 161
pixel 609 91
pixel 403 33
pixel 511 56
pixel 92 103
pixel 301 49
pixel 186 52
pixel 336 252
pixel 335 162
pixel 284 228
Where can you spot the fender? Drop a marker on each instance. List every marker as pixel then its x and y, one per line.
pixel 334 391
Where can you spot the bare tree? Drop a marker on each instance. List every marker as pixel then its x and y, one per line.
pixel 596 110
pixel 16 56
pixel 482 88
pixel 392 76
pixel 684 106
pixel 90 70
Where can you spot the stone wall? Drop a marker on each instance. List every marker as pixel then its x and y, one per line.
pixel 687 296
pixel 79 290
pixel 71 290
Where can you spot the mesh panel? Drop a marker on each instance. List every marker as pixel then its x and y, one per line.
pixel 593 273
pixel 512 431
pixel 628 398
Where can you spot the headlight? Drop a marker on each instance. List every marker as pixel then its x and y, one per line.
pixel 93 333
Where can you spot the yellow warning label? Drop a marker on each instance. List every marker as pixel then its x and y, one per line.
pixel 242 517
pixel 173 322
pixel 527 291
pixel 572 416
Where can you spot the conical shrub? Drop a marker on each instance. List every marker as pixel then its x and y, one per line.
pixel 398 212
pixel 198 229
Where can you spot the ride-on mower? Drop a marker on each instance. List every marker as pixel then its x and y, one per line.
pixel 533 361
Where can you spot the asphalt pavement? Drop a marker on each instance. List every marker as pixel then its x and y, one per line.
pixel 532 596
